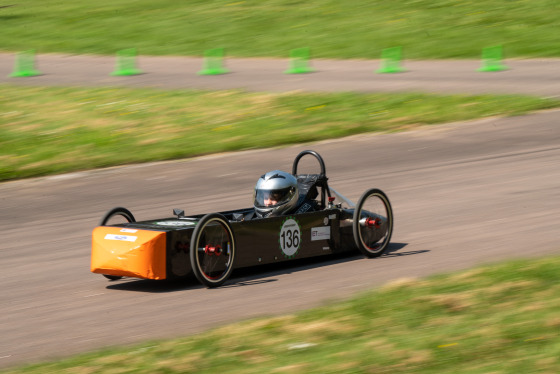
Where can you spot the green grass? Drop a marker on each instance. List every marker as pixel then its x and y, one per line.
pixel 332 28
pixel 55 130
pixel 495 319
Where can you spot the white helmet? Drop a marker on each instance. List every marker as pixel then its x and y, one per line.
pixel 276 193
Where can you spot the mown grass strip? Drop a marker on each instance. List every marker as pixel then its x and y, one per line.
pixel 45 130
pixel 336 29
pixel 500 319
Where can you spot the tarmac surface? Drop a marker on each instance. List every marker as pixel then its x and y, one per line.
pixel 463 194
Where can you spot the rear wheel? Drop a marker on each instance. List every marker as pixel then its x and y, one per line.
pixel 373 223
pixel 116 215
pixel 212 250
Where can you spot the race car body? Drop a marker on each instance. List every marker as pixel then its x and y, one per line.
pixel 210 246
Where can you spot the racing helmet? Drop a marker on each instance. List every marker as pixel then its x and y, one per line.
pixel 276 193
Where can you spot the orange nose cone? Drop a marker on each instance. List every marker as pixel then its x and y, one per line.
pixel 128 252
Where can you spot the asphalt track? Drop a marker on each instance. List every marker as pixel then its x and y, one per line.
pixel 463 194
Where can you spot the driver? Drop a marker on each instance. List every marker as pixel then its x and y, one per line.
pixel 276 193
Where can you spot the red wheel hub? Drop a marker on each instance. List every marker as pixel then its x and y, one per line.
pixel 373 222
pixel 209 250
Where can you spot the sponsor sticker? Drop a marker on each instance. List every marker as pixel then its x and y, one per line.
pixel 125 238
pixel 176 223
pixel 290 237
pixel 129 230
pixel 320 233
pixel 304 208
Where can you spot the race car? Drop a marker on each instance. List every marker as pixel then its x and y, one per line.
pixel 312 220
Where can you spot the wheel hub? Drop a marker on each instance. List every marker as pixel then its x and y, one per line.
pixel 209 250
pixel 373 222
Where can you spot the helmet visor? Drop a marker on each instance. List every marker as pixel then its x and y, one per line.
pixel 273 198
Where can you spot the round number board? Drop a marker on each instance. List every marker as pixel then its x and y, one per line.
pixel 290 237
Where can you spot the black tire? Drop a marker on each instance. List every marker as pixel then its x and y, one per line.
pixel 119 211
pixel 372 224
pixel 212 250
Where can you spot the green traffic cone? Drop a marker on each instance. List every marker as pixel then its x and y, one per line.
pixel 299 61
pixel 492 59
pixel 391 61
pixel 126 63
pixel 25 65
pixel 213 62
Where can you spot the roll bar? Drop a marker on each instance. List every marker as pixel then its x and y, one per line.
pixel 322 178
pixel 313 153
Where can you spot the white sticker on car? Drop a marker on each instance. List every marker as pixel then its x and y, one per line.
pixel 290 237
pixel 176 223
pixel 129 230
pixel 126 238
pixel 320 233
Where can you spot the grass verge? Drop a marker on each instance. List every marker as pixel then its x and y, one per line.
pixel 45 130
pixel 499 319
pixel 335 29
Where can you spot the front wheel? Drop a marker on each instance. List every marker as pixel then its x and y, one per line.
pixel 116 212
pixel 372 225
pixel 212 250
